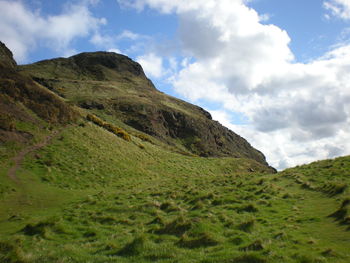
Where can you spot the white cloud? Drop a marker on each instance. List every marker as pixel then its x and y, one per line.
pixel 152 64
pixel 115 50
pixel 126 34
pixel 24 30
pixel 297 112
pixel 102 40
pixel 338 8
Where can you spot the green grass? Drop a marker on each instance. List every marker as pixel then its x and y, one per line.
pixel 91 196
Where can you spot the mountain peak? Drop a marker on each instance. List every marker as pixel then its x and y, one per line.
pixel 108 60
pixel 99 66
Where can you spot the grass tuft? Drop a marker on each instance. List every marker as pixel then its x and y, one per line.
pixel 134 248
pixel 342 215
pixel 334 188
pixel 255 246
pixel 250 208
pixel 203 240
pixel 247 226
pixel 176 227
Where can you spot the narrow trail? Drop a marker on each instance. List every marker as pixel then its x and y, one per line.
pixel 18 159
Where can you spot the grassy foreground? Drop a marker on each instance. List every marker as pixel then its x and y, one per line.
pixel 91 196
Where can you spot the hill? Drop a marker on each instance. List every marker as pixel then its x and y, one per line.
pixel 113 87
pixel 81 185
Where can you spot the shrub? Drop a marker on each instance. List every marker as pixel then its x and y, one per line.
pixel 94 119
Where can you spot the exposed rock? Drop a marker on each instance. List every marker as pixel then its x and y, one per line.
pixel 6 57
pixel 18 90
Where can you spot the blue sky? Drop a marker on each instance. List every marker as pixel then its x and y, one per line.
pixel 274 71
pixel 311 32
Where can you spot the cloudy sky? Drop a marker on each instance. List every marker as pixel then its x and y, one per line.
pixel 274 71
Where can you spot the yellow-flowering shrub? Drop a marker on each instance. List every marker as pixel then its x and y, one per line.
pixel 109 127
pixel 95 119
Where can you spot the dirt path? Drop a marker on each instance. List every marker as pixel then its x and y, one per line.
pixel 18 159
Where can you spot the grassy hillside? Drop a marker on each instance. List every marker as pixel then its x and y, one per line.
pixel 91 196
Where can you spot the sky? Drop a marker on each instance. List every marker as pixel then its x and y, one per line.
pixel 274 71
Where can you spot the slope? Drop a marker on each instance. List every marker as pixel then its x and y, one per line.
pixel 100 198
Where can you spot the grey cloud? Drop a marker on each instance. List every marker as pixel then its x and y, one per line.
pixel 271 119
pixel 307 119
pixel 314 113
